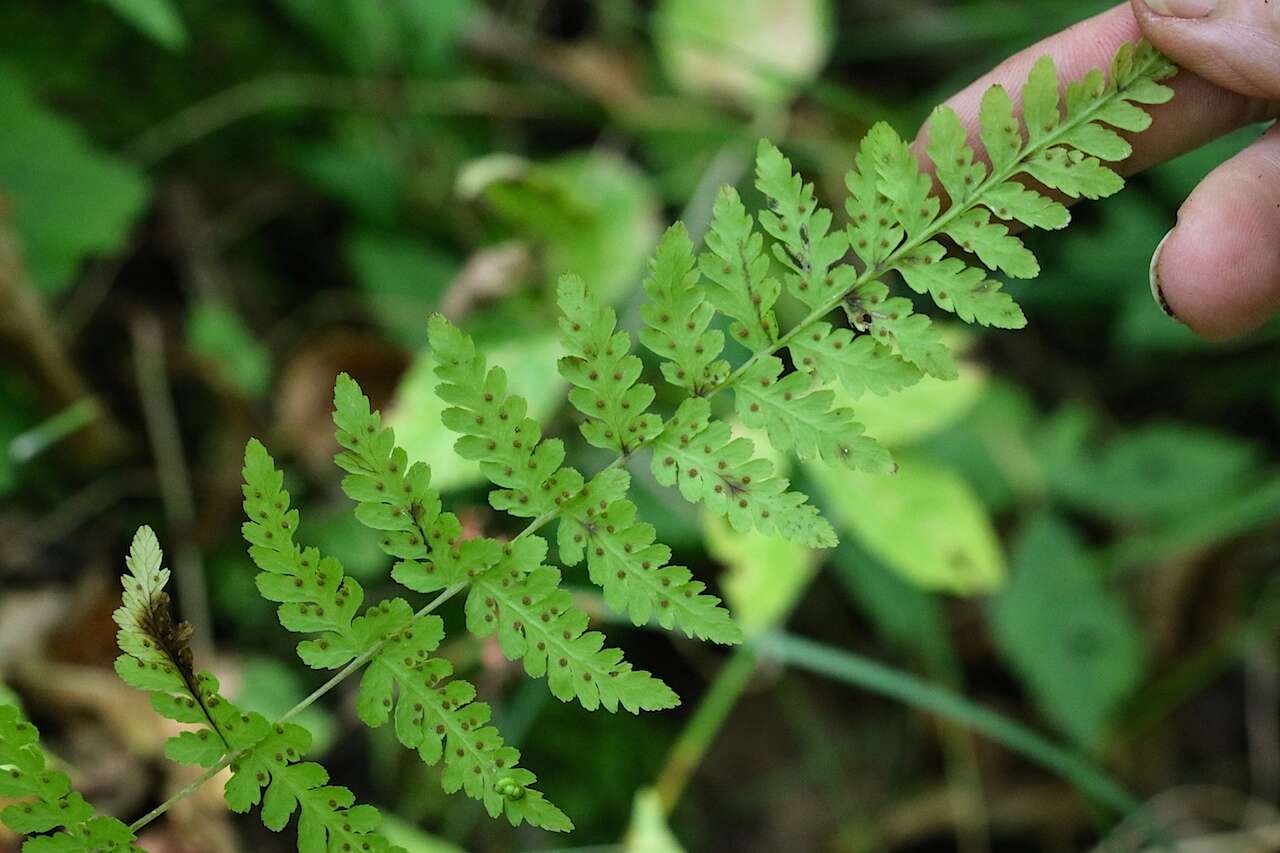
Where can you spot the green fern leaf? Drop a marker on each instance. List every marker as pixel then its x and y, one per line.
pixel 313 592
pixel 495 430
pixel 802 419
pixel 678 316
pixel 737 270
pixel 805 242
pixel 892 322
pixel 959 288
pixel 42 800
pixel 624 560
pixel 436 717
pixel 156 652
pixel 536 621
pixel 860 364
pixel 157 658
pixel 699 455
pixel 603 372
pixel 271 774
pixel 396 499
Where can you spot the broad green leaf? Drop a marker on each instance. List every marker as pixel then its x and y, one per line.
pixel 407 35
pixel 1152 472
pixel 157 19
pixel 924 522
pixel 765 576
pixel 596 216
pixel 754 52
pixel 217 333
pixel 68 200
pixel 1069 638
pixel 918 411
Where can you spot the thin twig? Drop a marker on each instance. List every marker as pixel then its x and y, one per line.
pixel 171 471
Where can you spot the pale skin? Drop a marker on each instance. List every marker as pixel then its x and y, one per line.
pixel 1218 271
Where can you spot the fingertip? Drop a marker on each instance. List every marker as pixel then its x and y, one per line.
pixel 1218 270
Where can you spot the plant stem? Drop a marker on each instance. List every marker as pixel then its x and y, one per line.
pixel 878 678
pixel 306 703
pixel 701 730
pixel 161 422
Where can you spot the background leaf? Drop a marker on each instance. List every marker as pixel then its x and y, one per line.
pixel 157 19
pixel 924 522
pixel 1065 633
pixel 68 200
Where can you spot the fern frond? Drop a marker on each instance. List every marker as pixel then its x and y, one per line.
pixel 805 243
pixel 698 454
pixel 535 620
pixel 625 561
pixel 396 499
pixel 678 316
pixel 156 652
pixel 737 271
pixel 603 372
pixel 313 591
pixel 42 799
pixel 270 773
pixel 494 428
pixel 437 717
pixel 801 418
pixel 395 642
pixel 860 364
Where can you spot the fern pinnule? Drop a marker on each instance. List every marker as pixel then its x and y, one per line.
pixel 43 802
pixel 603 372
pixel 678 317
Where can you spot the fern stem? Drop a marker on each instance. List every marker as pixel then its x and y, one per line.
pixel 338 677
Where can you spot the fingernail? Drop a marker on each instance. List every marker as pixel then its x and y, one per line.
pixel 1183 8
pixel 1157 291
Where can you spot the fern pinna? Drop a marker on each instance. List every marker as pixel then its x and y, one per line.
pixel 944 234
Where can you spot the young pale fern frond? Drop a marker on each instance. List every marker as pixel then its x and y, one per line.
pixel 265 758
